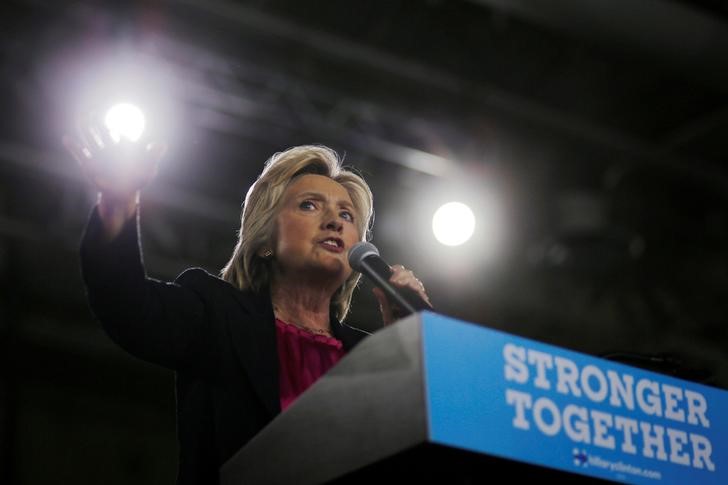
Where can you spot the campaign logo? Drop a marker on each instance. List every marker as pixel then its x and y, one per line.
pixel 580 457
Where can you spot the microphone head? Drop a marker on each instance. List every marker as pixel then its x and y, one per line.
pixel 359 252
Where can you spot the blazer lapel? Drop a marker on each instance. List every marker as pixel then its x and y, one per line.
pixel 348 335
pixel 254 339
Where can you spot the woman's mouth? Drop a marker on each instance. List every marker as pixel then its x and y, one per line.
pixel 333 244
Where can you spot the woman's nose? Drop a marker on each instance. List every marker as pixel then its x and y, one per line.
pixel 331 222
pixel 334 225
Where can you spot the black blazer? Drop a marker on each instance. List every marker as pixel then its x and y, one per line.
pixel 220 341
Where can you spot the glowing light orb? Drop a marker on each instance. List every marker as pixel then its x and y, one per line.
pixel 125 120
pixel 453 224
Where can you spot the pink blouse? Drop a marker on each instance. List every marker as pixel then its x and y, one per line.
pixel 303 358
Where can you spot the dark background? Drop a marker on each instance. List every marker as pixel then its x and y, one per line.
pixel 596 130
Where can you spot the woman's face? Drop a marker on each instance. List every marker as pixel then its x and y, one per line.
pixel 315 228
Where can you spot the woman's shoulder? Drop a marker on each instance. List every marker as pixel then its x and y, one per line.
pixel 224 300
pixel 194 276
pixel 203 282
pixel 201 279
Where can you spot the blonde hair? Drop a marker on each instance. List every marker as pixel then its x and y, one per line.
pixel 246 269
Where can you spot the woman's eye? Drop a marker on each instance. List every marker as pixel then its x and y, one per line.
pixel 348 216
pixel 307 204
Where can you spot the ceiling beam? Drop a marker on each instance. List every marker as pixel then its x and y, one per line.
pixel 564 12
pixel 672 34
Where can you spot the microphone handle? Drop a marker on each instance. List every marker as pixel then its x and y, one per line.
pixel 406 298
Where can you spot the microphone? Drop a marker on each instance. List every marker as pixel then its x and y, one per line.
pixel 364 258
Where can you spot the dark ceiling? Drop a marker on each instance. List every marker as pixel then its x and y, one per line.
pixel 598 128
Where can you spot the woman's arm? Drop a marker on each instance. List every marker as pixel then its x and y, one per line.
pixel 159 322
pixel 164 323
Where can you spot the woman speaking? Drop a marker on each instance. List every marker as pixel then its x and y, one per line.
pixel 246 344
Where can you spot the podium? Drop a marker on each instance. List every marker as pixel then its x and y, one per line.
pixel 432 399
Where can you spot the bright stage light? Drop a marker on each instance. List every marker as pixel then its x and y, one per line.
pixel 125 120
pixel 453 223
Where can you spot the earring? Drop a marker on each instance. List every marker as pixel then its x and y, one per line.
pixel 267 253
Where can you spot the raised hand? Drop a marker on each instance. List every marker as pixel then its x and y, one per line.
pixel 118 170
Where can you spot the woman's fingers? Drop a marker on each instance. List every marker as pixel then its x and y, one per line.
pixel 155 151
pixel 401 278
pixel 75 149
pixel 103 132
pixel 84 159
pixel 89 140
pixel 404 278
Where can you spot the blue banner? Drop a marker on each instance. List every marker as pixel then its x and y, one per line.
pixel 491 392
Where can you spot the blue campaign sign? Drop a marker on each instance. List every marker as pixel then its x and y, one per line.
pixel 491 392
